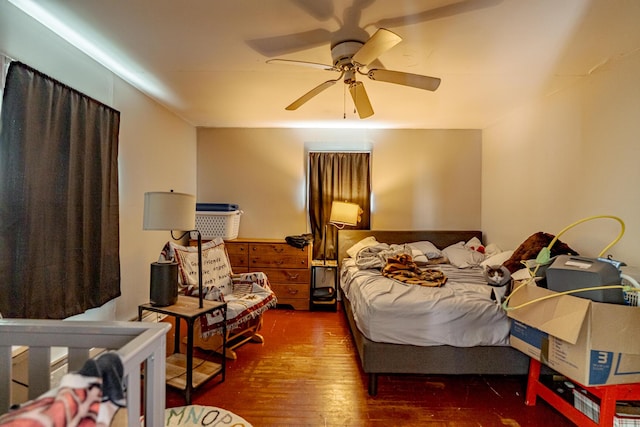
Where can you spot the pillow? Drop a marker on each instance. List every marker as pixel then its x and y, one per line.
pixel 530 248
pixel 475 244
pixel 418 257
pixel 461 256
pixel 364 243
pixel 216 269
pixel 497 259
pixel 427 248
pixel 492 249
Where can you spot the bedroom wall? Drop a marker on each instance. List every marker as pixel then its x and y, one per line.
pixel 421 179
pixel 156 150
pixel 565 157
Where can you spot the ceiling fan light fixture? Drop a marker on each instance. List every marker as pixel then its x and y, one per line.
pixel 342 53
pixel 350 76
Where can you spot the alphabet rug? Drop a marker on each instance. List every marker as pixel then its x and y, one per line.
pixel 197 415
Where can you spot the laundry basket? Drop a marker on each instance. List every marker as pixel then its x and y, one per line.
pixel 217 220
pixel 631 296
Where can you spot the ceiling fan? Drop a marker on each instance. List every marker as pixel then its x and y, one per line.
pixel 352 57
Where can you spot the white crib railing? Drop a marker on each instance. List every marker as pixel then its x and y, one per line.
pixel 141 346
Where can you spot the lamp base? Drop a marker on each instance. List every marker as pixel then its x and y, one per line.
pixel 164 284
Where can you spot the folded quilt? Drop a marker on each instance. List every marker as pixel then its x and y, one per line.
pixel 403 269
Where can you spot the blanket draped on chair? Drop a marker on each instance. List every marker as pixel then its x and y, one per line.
pixel 247 295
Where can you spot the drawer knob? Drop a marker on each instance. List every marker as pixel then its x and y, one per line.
pixel 292 291
pixel 293 276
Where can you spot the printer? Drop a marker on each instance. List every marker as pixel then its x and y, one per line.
pixel 571 273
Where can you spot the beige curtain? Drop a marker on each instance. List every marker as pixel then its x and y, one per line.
pixel 333 176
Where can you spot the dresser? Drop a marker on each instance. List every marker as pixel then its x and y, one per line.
pixel 288 268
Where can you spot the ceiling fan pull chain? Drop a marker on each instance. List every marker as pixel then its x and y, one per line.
pixel 344 102
pixel 355 101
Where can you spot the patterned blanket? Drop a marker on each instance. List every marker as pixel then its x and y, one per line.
pixel 251 296
pixel 89 397
pixel 403 269
pixel 247 295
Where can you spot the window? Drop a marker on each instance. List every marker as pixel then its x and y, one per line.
pixel 341 176
pixel 59 210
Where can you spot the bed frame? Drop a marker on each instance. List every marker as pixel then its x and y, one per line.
pixel 384 358
pixel 141 345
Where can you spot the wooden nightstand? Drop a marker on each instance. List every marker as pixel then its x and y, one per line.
pixel 181 372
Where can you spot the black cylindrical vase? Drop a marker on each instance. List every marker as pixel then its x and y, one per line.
pixel 164 283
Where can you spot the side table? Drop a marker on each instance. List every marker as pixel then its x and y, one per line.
pixel 324 285
pixel 180 371
pixel 608 395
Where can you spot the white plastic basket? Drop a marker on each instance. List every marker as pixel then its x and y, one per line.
pixel 212 224
pixel 631 297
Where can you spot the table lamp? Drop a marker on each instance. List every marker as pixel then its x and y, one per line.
pixel 173 211
pixel 342 214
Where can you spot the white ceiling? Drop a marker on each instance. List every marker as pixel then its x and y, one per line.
pixel 205 59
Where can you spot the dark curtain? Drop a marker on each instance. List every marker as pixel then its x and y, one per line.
pixel 340 177
pixel 59 241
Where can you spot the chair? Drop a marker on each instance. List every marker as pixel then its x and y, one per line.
pixel 248 295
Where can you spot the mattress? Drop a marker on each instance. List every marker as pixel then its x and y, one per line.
pixel 461 313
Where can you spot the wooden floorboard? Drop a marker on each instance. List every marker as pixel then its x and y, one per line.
pixel 306 373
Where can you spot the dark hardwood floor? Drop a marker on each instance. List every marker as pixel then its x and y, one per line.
pixel 307 374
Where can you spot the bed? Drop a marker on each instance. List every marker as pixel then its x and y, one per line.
pixel 138 347
pixel 404 357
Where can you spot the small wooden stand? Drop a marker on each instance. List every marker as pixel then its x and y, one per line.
pixel 181 372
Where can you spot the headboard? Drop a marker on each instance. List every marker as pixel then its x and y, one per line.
pixel 440 238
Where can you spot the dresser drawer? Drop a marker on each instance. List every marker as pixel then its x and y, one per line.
pixel 288 276
pixel 277 255
pixel 238 256
pixel 290 291
pixel 288 268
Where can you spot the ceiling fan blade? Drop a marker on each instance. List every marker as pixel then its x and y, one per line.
pixel 307 96
pixel 302 63
pixel 405 79
pixel 361 100
pixel 381 41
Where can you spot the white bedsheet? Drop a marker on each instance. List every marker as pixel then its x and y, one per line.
pixel 461 313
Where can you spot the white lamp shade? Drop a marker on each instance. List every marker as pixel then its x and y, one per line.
pixel 345 213
pixel 169 211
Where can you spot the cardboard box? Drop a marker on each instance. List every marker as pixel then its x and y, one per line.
pixel 590 342
pixel 529 340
